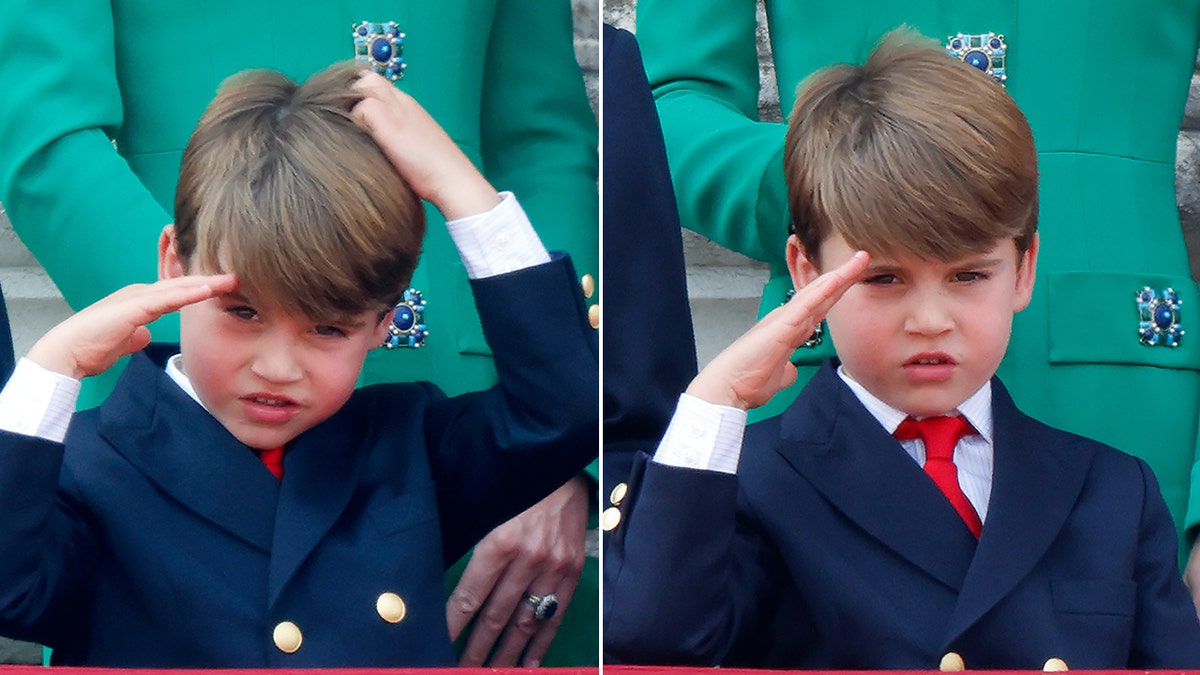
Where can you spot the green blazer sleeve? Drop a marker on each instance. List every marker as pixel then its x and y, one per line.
pixel 727 166
pixel 71 197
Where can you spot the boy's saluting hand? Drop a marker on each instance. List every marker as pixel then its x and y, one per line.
pixel 422 152
pixel 747 373
pixel 91 341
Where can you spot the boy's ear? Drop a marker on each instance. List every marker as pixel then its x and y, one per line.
pixel 381 329
pixel 1026 275
pixel 802 269
pixel 169 265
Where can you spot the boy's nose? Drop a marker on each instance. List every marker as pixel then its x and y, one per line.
pixel 276 362
pixel 929 315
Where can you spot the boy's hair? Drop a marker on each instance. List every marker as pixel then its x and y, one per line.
pixel 912 152
pixel 280 186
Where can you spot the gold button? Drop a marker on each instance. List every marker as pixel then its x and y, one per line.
pixel 588 284
pixel 952 663
pixel 287 637
pixel 610 519
pixel 391 608
pixel 618 494
pixel 594 315
pixel 1055 665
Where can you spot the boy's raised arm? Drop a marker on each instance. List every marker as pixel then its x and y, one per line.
pixel 747 373
pixel 90 341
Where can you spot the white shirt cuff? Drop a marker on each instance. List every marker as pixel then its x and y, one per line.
pixel 703 435
pixel 497 241
pixel 38 402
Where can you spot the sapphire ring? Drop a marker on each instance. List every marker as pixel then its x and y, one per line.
pixel 544 606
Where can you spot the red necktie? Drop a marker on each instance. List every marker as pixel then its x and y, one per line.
pixel 940 435
pixel 273 459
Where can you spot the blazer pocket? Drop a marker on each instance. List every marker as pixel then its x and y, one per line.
pixel 1094 318
pixel 1083 596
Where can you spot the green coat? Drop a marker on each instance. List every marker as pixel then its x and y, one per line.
pixel 1104 86
pixel 82 76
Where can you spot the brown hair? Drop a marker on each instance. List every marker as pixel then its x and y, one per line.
pixel 280 186
pixel 912 152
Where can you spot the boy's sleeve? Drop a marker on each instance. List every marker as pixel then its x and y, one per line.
pixel 495 453
pixel 37 402
pixel 72 199
pixel 702 61
pixel 702 435
pixel 498 241
pixel 686 570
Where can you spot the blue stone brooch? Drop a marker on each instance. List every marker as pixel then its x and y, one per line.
pixel 382 46
pixel 985 51
pixel 407 328
pixel 1158 317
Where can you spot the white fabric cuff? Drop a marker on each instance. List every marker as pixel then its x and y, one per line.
pixel 703 435
pixel 497 241
pixel 38 402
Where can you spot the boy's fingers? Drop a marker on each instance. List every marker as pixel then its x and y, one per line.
pixel 810 304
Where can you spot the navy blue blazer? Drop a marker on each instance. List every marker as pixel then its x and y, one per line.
pixel 831 548
pixel 649 349
pixel 156 539
pixel 6 345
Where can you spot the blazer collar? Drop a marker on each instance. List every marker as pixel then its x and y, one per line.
pixel 843 451
pixel 1038 475
pixel 186 452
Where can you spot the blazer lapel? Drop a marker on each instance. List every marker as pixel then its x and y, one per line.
pixel 843 451
pixel 183 449
pixel 1035 483
pixel 321 470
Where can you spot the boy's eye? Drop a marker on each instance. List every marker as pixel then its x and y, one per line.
pixel 329 331
pixel 242 312
pixel 968 277
pixel 881 279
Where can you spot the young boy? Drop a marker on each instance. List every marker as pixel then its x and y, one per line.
pixel 828 542
pixel 151 535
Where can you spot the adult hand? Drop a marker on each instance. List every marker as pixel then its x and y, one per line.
pixel 91 341
pixel 540 551
pixel 747 373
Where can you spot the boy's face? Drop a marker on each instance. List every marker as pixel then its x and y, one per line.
pixel 267 375
pixel 924 335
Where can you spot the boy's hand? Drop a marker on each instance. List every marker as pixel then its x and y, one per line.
pixel 758 364
pixel 91 341
pixel 421 151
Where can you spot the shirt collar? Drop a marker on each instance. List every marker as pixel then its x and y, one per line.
pixel 977 409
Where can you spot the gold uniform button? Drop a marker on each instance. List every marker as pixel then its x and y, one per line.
pixel 594 315
pixel 952 663
pixel 1055 665
pixel 287 637
pixel 588 284
pixel 391 608
pixel 610 519
pixel 618 494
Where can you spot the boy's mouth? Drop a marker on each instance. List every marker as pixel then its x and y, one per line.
pixel 930 368
pixel 270 409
